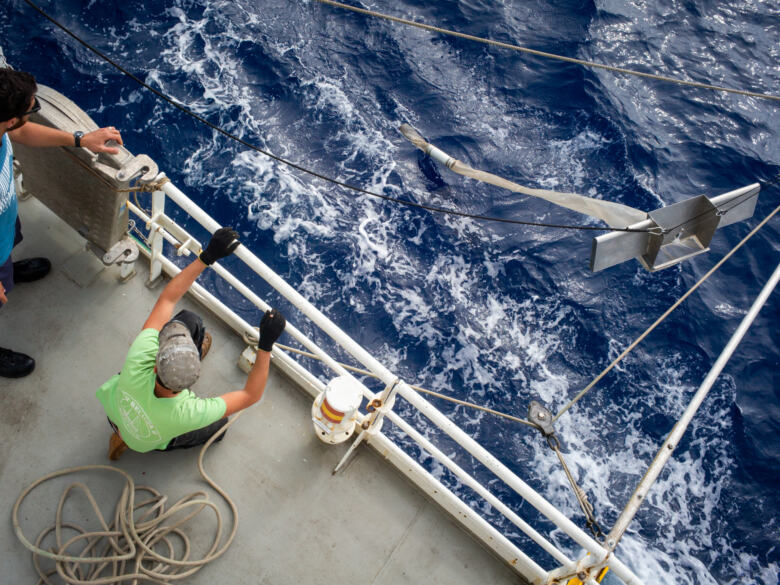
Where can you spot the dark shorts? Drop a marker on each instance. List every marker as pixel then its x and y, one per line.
pixel 7 275
pixel 197 437
pixel 191 439
pixel 7 269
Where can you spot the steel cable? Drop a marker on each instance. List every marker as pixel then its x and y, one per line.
pixel 660 319
pixel 512 47
pixel 296 166
pixel 363 372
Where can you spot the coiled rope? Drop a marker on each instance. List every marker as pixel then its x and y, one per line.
pixel 139 545
pixel 521 49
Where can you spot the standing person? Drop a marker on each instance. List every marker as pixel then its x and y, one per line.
pixel 148 403
pixel 17 103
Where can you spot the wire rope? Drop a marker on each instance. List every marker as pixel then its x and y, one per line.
pixel 363 372
pixel 660 319
pixel 298 167
pixel 437 209
pixel 521 49
pixel 604 372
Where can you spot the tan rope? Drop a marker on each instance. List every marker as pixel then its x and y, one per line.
pixel 145 187
pixel 597 378
pixel 417 388
pixel 128 549
pixel 658 321
pixel 546 55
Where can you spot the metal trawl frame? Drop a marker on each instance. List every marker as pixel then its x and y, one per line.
pixel 674 233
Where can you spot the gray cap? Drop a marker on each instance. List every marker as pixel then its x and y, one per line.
pixel 178 360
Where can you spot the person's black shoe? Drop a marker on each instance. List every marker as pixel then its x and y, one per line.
pixel 14 364
pixel 31 269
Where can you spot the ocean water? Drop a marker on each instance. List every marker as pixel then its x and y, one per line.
pixel 492 313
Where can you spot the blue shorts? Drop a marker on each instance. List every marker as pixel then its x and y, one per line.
pixel 7 268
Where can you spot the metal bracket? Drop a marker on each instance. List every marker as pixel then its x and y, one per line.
pixel 372 424
pixel 541 417
pixel 687 230
pixel 674 233
pixel 125 251
pixel 140 164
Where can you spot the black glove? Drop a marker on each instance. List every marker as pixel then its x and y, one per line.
pixel 221 245
pixel 271 327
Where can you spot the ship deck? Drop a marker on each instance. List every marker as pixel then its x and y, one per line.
pixel 298 523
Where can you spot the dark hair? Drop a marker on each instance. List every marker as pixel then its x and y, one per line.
pixel 17 89
pixel 161 383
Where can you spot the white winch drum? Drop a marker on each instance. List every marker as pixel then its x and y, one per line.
pixel 334 411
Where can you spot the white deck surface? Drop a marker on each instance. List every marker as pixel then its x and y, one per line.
pixel 298 523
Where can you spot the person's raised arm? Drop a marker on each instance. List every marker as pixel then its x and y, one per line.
pixel 32 134
pixel 271 327
pixel 222 244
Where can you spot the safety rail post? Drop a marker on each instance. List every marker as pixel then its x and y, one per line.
pixel 126 271
pixel 156 237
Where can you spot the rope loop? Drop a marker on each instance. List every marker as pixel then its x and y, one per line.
pixel 150 187
pixel 553 442
pixel 144 542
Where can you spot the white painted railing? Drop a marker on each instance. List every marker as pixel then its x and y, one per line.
pixel 161 228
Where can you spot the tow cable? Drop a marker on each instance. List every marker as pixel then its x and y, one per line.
pixel 542 419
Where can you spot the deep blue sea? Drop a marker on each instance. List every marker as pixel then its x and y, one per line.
pixel 492 313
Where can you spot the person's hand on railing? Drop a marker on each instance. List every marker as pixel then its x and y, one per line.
pixel 222 244
pixel 271 327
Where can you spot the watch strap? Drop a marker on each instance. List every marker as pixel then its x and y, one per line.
pixel 77 135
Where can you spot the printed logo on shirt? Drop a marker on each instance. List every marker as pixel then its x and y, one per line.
pixel 136 421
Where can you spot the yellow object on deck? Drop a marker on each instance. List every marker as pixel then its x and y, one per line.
pixel 599 577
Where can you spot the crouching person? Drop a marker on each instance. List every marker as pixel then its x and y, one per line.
pixel 148 403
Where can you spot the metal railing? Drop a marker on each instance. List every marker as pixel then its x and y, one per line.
pixel 162 228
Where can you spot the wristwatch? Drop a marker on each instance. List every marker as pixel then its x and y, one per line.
pixel 77 136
